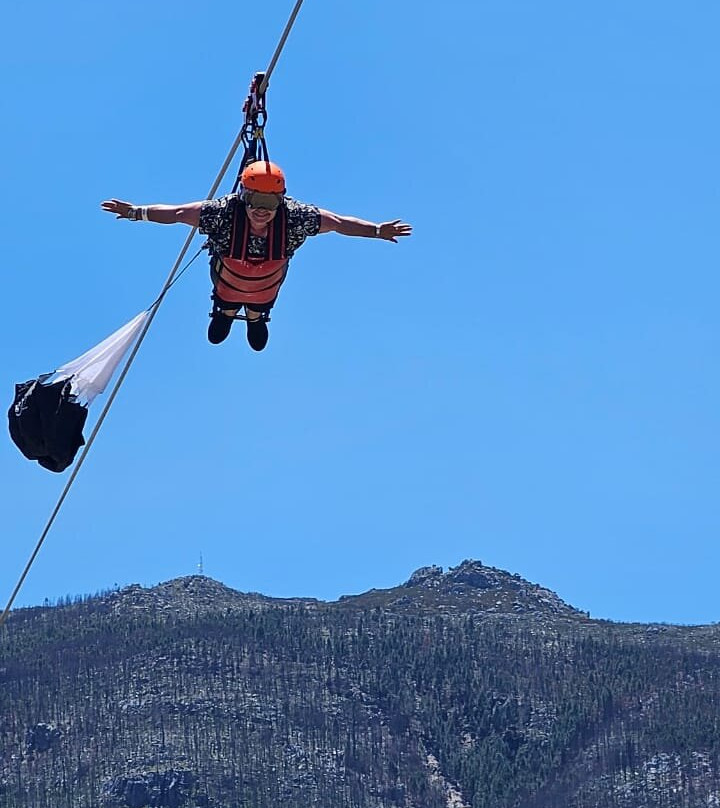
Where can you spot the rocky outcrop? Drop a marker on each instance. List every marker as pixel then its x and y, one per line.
pixel 471 586
pixel 426 576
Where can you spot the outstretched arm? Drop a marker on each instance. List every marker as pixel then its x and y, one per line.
pixel 162 214
pixel 350 226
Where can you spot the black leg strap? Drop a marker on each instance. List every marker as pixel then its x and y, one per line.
pixel 216 309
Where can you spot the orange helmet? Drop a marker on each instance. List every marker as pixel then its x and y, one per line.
pixel 263 176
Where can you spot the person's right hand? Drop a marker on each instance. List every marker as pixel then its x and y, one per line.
pixel 118 207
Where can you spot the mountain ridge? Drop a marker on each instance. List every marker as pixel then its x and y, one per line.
pixel 468 587
pixel 468 687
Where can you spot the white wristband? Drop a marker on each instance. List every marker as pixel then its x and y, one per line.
pixel 377 231
pixel 144 213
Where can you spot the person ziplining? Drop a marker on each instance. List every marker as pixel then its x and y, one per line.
pixel 252 235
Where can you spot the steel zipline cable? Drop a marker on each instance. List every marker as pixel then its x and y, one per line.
pixel 152 312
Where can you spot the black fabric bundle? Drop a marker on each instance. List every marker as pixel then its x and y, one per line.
pixel 46 422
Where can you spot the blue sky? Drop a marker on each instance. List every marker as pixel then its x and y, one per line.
pixel 530 380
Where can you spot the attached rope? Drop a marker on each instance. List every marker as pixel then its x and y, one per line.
pixel 280 46
pixel 241 138
pixel 180 274
pixel 253 131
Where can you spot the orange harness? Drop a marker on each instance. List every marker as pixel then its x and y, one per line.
pixel 241 279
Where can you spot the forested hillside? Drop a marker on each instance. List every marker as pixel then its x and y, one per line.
pixel 470 687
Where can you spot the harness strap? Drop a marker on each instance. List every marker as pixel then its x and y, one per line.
pixel 277 284
pixel 263 315
pixel 251 278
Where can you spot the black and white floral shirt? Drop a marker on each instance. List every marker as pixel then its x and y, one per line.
pixel 216 220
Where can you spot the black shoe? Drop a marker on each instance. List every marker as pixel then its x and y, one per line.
pixel 219 327
pixel 257 334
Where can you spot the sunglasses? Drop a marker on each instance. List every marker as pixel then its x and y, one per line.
pixel 256 199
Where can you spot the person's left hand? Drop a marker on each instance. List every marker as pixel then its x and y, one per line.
pixel 391 231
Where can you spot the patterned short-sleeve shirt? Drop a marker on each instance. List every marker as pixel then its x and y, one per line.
pixel 216 220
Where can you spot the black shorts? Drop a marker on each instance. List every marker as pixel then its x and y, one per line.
pixel 259 308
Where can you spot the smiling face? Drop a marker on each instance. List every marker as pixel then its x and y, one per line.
pixel 260 217
pixel 261 208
